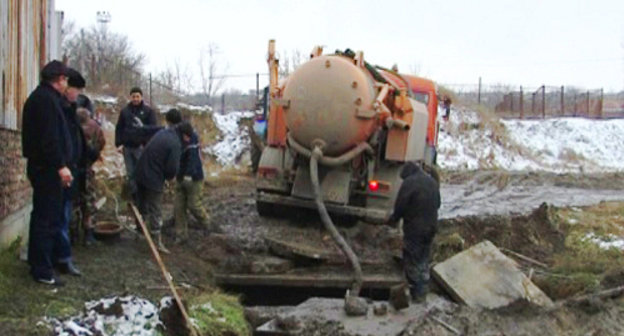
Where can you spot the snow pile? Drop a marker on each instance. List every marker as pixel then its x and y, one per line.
pixel 116 316
pixel 557 145
pixel 107 100
pixel 194 108
pixel 607 242
pixel 235 138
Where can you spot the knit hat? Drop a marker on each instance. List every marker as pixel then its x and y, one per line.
pixel 75 79
pixel 52 70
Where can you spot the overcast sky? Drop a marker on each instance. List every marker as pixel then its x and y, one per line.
pixel 528 42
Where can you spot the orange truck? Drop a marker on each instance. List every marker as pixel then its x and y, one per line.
pixel 360 122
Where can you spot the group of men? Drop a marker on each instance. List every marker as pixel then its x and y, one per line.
pixel 61 142
pixel 153 155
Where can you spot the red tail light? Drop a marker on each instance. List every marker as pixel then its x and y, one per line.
pixel 373 185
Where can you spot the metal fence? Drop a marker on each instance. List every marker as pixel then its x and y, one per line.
pixel 541 102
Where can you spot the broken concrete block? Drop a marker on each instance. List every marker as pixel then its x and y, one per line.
pixel 399 297
pixel 355 305
pixel 380 309
pixel 287 249
pixel 484 277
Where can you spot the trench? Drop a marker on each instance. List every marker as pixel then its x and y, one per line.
pixel 291 296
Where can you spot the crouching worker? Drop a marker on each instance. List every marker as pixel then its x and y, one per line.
pixel 188 192
pixel 417 204
pixel 159 161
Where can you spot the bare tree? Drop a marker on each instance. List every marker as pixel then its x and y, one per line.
pixel 176 77
pixel 289 61
pixel 210 80
pixel 106 59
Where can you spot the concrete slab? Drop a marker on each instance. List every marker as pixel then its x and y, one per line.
pixel 327 312
pixel 291 250
pixel 484 277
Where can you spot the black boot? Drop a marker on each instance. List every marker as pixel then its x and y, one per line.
pixel 89 237
pixel 69 268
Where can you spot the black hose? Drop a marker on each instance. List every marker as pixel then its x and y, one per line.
pixel 329 225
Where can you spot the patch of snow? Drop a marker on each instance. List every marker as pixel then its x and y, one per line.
pixel 137 317
pixel 557 145
pixel 109 100
pixel 235 139
pixel 607 242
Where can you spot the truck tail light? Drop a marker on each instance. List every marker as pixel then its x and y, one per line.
pixel 373 185
pixel 378 186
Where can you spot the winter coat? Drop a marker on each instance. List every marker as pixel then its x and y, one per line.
pixel 159 160
pixel 46 141
pixel 135 126
pixel 417 203
pixel 190 163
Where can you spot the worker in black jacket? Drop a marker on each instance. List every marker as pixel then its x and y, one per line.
pixel 136 124
pixel 417 204
pixel 159 162
pixel 47 146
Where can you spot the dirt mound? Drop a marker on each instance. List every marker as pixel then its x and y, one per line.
pixel 535 235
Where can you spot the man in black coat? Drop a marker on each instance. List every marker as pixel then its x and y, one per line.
pixel 47 146
pixel 81 154
pixel 136 124
pixel 417 203
pixel 159 161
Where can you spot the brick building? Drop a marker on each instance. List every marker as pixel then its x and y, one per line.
pixel 30 36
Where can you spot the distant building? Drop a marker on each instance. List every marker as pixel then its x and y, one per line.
pixel 30 36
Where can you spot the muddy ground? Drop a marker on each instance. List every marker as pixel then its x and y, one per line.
pixel 542 233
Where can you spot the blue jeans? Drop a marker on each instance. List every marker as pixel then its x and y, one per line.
pixel 62 248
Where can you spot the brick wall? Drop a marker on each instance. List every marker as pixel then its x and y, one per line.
pixel 15 191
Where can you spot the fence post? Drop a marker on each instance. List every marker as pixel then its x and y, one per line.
pixel 511 98
pixel 562 101
pixel 223 103
pixel 600 103
pixel 521 103
pixel 543 101
pixel 533 103
pixel 574 112
pixel 587 104
pixel 479 93
pixel 257 86
pixel 150 89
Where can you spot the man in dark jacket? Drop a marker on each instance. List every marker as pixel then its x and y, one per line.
pixel 417 203
pixel 76 162
pixel 47 146
pixel 135 126
pixel 159 161
pixel 188 191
